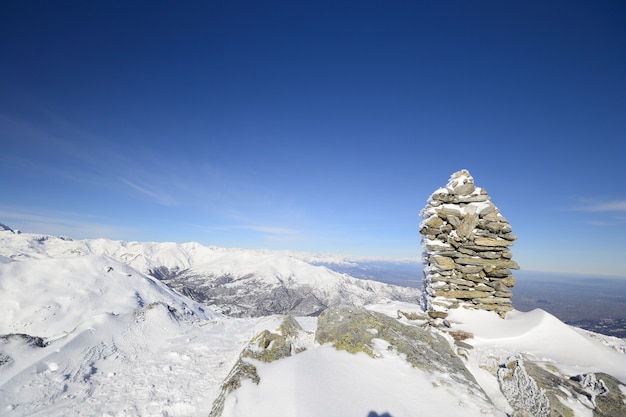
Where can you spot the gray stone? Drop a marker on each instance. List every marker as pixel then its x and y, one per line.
pixel 492 300
pixel 472 199
pixel 433 221
pixel 465 251
pixel 446 211
pixel 478 248
pixel 469 269
pixel 489 254
pixel 442 262
pixel 487 209
pixel 453 220
pixel 494 227
pixel 475 277
pixel 476 261
pixel 493 263
pixel 467 225
pixel 499 273
pixel 462 295
pixel 450 280
pixel 508 281
pixel 485 241
pixel 532 389
pixel 463 189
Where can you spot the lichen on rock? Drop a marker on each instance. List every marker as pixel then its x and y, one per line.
pixel 265 347
pixel 355 329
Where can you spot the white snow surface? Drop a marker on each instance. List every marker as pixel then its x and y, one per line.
pixel 542 335
pixel 247 277
pixel 114 347
pixel 326 382
pixel 120 343
pixel 271 267
pixel 146 255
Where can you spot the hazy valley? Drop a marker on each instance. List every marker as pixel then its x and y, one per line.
pixel 592 302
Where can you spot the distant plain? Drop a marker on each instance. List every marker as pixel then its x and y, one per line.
pixel 596 303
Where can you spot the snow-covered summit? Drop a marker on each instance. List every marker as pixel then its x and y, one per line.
pixel 5 228
pixel 91 336
pixel 238 281
pixel 71 291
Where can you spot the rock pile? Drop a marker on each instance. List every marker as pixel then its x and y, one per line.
pixel 467 261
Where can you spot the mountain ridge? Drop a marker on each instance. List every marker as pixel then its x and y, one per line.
pixel 83 333
pixel 240 281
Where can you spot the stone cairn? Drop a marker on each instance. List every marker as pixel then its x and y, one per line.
pixel 467 262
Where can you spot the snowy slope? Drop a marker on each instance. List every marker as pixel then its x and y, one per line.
pixel 544 336
pixel 540 336
pixel 115 342
pixel 351 385
pixel 100 284
pixel 245 283
pixel 240 282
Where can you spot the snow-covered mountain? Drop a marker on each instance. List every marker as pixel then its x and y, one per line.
pixel 86 332
pixel 238 282
pixel 92 336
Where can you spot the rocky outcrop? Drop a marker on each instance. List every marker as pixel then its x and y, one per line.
pixel 529 387
pixel 466 241
pixel 355 329
pixel 265 347
pixel 24 341
pixel 540 391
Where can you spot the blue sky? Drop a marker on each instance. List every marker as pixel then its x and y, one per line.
pixel 316 126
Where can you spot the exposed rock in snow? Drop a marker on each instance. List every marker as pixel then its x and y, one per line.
pixel 279 284
pixel 267 346
pixel 4 227
pixel 534 389
pixel 356 329
pixel 522 391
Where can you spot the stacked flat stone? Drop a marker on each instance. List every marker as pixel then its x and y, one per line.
pixel 466 241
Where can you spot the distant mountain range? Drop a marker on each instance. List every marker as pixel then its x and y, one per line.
pixel 90 328
pixel 238 282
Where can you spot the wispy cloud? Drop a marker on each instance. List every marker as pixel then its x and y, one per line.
pixel 160 196
pixel 600 223
pixel 60 224
pixel 605 213
pixel 261 229
pixel 195 183
pixel 605 206
pixel 264 233
pixel 271 230
pixel 596 205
